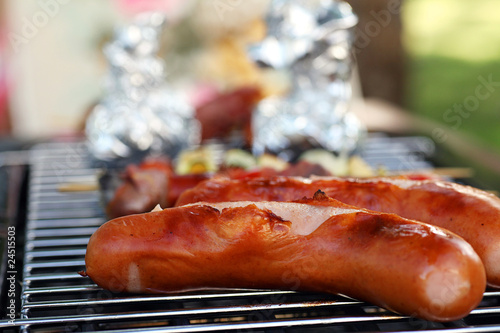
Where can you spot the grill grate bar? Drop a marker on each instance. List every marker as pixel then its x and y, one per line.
pixel 242 327
pixel 49 180
pixel 40 172
pixel 55 276
pixel 50 206
pixel 225 310
pixel 483 311
pixel 239 327
pixel 56 253
pixel 54 263
pixel 64 223
pixel 197 312
pixel 40 203
pixel 61 232
pixel 54 290
pixel 57 242
pixel 482 329
pixel 64 214
pixel 41 200
pixel 140 299
pixel 274 324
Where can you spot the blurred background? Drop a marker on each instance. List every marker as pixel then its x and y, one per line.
pixel 436 60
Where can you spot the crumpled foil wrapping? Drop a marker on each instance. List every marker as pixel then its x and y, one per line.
pixel 311 40
pixel 140 114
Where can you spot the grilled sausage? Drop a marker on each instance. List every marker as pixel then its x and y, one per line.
pixel 318 244
pixel 154 182
pixel 151 183
pixel 469 212
pixel 228 112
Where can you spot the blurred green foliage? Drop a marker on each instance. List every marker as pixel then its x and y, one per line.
pixel 453 46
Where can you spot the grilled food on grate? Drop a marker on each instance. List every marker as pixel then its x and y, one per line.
pixel 315 244
pixel 469 212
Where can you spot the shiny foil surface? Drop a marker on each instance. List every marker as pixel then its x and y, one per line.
pixel 312 42
pixel 140 113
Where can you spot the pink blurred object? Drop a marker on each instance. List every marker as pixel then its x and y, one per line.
pixel 202 94
pixel 4 105
pixel 5 125
pixel 173 8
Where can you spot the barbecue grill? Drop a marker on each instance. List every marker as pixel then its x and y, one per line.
pixel 51 242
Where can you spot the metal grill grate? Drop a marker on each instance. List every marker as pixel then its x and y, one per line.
pixel 56 298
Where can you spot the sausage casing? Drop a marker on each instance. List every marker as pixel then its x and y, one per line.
pixel 319 245
pixel 471 213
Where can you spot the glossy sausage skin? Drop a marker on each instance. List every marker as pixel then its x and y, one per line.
pixel 151 183
pixel 405 266
pixel 154 182
pixel 469 212
pixel 228 112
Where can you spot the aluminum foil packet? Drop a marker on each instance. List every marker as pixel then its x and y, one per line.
pixel 310 40
pixel 140 114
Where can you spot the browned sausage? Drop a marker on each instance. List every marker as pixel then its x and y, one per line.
pixel 154 182
pixel 151 183
pixel 469 212
pixel 317 245
pixel 228 112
